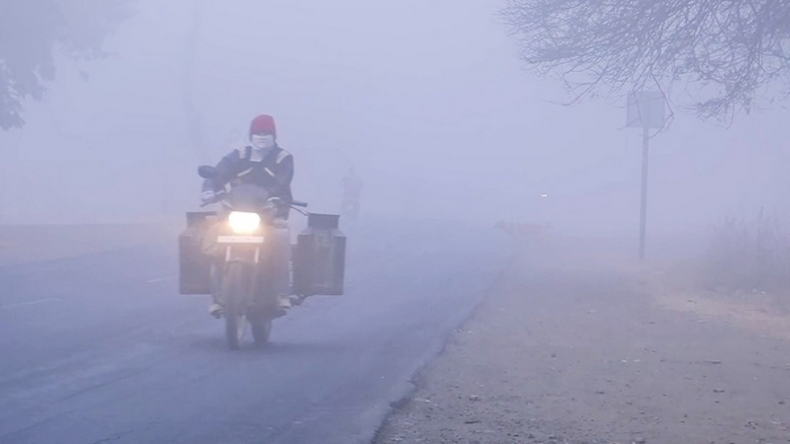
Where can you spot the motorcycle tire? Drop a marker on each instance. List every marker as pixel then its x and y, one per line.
pixel 235 308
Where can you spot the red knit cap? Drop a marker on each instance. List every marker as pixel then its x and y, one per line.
pixel 263 124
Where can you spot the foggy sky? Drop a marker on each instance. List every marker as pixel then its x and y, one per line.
pixel 427 99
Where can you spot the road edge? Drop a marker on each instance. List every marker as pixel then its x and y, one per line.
pixel 405 393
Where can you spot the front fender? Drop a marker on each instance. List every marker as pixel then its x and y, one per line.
pixel 247 254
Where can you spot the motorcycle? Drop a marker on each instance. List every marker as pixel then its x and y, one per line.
pixel 242 271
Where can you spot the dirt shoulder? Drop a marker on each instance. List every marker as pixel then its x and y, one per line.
pixel 571 349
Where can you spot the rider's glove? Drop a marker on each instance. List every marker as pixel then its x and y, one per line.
pixel 208 197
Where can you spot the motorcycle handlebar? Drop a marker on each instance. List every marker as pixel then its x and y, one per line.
pixel 295 203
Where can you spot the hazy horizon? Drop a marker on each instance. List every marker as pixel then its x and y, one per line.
pixel 428 101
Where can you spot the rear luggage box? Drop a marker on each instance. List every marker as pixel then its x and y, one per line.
pixel 194 266
pixel 319 257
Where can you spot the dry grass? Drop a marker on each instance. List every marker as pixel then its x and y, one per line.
pixel 746 254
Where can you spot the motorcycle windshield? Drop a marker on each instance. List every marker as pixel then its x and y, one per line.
pixel 247 197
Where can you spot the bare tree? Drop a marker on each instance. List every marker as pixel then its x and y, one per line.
pixel 727 50
pixel 32 30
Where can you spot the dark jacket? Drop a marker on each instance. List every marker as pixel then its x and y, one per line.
pixel 274 173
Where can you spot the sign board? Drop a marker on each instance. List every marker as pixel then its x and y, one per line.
pixel 646 109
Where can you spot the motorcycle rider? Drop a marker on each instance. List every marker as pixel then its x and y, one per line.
pixel 264 163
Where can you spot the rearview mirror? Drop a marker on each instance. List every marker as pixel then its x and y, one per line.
pixel 207 172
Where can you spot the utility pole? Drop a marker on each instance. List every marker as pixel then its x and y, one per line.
pixel 643 210
pixel 192 113
pixel 645 110
pixel 194 131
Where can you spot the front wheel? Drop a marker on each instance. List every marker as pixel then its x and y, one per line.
pixel 234 291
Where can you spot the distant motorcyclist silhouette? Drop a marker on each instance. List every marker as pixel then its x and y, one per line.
pixel 352 190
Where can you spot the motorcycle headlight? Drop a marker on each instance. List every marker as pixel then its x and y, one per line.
pixel 244 223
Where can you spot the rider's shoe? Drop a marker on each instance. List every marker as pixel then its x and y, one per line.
pixel 215 310
pixel 284 302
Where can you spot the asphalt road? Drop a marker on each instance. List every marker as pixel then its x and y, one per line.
pixel 100 348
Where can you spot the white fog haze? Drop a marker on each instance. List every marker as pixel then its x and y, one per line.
pixel 427 99
pixel 394 222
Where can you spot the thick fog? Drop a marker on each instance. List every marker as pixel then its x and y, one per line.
pixel 428 101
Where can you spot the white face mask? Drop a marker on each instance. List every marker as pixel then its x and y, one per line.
pixel 262 142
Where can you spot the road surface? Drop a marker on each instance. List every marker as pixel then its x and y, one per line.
pixel 100 348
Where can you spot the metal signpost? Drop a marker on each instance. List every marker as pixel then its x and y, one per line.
pixel 646 110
